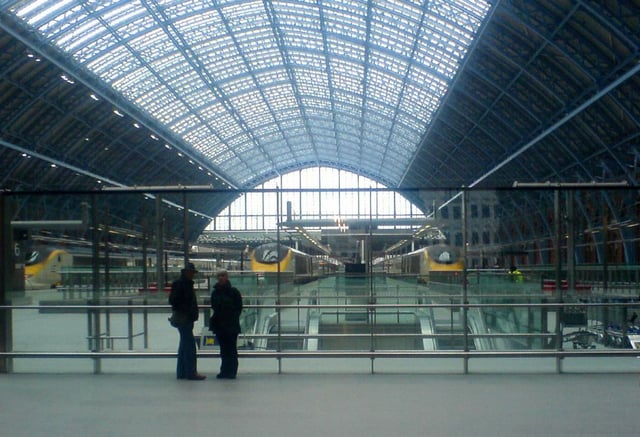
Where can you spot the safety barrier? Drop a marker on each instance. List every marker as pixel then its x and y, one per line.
pixel 99 341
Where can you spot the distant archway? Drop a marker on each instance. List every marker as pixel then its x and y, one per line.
pixel 258 210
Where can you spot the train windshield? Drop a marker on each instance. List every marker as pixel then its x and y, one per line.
pixel 31 257
pixel 443 255
pixel 268 253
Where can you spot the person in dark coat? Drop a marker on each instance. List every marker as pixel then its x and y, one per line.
pixel 184 307
pixel 226 303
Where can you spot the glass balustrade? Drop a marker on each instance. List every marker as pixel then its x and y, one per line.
pixel 91 294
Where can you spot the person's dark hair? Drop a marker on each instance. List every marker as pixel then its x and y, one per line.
pixel 190 267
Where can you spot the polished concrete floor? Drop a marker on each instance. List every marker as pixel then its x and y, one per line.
pixel 320 404
pixel 305 397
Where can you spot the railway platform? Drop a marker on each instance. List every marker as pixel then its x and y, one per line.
pixel 317 403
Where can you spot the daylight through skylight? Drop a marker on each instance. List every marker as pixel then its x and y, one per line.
pixel 260 88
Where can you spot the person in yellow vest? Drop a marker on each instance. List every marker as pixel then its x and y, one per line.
pixel 515 274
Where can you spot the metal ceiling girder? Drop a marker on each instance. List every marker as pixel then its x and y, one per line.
pixel 56 162
pixel 452 85
pixel 37 44
pixel 192 59
pixel 272 16
pixel 604 91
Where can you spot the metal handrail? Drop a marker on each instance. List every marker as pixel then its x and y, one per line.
pixel 371 306
pixel 343 354
pixel 558 352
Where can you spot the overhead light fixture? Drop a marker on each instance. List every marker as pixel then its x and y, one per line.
pixel 341 224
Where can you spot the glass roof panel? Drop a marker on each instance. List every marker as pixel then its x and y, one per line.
pixel 258 86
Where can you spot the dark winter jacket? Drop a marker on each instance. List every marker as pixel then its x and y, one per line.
pixel 183 298
pixel 226 303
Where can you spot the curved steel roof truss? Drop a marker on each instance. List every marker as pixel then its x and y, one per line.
pixel 217 62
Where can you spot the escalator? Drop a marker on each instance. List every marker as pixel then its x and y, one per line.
pixel 357 336
pixel 288 339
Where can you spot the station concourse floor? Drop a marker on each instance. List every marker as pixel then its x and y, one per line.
pixel 320 404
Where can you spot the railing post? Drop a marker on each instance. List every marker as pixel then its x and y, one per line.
pixel 337 308
pixel 130 325
pixel 95 280
pixel 145 317
pixel 6 261
pixel 90 338
pixel 278 309
pixel 298 300
pixel 108 338
pixel 465 291
pixel 398 303
pixel 93 319
pixel 558 269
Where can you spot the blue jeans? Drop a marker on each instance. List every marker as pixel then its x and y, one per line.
pixel 186 352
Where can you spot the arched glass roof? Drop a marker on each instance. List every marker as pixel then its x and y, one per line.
pixel 264 87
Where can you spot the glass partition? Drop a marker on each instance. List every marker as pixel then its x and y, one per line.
pixel 512 273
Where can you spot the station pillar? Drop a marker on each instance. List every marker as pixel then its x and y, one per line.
pixel 6 282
